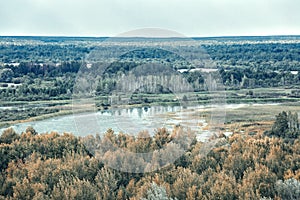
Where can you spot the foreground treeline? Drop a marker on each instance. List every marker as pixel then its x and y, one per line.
pixel 62 166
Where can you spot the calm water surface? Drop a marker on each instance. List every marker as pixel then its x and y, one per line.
pixel 130 120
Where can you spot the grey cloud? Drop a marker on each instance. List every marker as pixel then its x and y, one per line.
pixel 111 17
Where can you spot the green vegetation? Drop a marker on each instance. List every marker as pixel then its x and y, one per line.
pixel 16 114
pixel 286 126
pixel 253 70
pixel 46 67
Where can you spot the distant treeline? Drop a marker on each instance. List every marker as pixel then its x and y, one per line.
pixel 46 68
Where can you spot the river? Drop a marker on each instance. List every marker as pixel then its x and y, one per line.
pixel 131 120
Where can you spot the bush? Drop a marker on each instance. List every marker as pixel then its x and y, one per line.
pixel 8 136
pixel 4 85
pixel 288 189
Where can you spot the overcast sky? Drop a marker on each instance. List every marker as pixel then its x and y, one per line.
pixel 112 17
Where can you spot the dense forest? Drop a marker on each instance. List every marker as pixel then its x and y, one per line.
pixel 30 81
pixel 242 166
pixel 37 68
pixel 243 62
pixel 38 76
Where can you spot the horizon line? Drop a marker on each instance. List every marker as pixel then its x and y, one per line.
pixel 215 36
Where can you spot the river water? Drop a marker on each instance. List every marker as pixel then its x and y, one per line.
pixel 129 120
pixel 133 120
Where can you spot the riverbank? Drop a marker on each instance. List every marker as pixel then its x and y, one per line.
pixel 254 106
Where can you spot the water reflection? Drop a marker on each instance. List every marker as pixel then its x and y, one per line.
pixel 127 120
